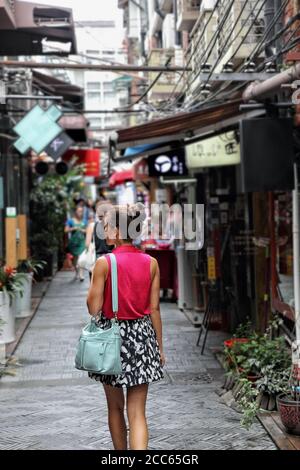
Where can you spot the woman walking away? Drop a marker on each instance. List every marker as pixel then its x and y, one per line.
pixel 140 324
pixel 76 228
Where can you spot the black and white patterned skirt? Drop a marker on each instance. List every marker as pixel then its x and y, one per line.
pixel 140 356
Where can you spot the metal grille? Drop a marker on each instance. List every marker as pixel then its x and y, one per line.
pixel 247 17
pixel 199 46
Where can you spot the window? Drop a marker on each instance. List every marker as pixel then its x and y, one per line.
pixel 108 91
pixel 92 52
pixel 95 123
pixel 93 90
pixel 108 86
pixel 93 86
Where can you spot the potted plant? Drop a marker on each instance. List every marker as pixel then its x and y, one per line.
pixel 23 302
pixel 260 367
pixel 11 283
pixel 50 201
pixel 288 402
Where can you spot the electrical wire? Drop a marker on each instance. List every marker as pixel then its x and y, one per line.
pixel 237 49
pixel 261 45
pixel 254 52
pixel 217 33
pixel 195 48
pixel 241 42
pixel 212 42
pixel 210 46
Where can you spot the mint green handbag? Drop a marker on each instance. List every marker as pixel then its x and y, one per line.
pixel 99 350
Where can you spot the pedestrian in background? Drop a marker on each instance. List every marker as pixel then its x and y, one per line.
pixel 76 229
pixel 140 325
pixel 95 231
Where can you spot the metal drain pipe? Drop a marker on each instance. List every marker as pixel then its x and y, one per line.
pixel 259 90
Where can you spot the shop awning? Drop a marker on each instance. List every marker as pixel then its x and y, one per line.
pixel 120 177
pixel 75 126
pixel 183 127
pixel 28 28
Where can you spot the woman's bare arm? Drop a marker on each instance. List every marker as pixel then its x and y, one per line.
pixel 154 305
pixel 96 290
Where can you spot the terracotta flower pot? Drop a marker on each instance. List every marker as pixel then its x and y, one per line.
pixel 289 411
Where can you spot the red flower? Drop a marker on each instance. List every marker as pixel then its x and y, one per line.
pixel 230 342
pixel 9 270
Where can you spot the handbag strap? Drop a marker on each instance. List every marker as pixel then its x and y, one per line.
pixel 114 284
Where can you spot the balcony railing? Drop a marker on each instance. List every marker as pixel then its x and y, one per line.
pixel 234 44
pixel 197 54
pixel 188 12
pixel 165 85
pixel 243 12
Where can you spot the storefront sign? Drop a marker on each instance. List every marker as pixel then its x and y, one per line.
pixel 215 151
pixel 11 212
pixel 211 265
pixel 170 163
pixel 88 157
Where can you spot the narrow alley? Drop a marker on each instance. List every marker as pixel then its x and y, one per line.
pixel 49 404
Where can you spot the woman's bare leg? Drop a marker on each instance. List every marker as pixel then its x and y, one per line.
pixel 116 420
pixel 136 412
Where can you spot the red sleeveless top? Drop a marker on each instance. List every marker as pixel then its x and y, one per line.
pixel 134 284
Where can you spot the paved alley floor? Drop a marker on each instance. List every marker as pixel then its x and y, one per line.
pixel 49 404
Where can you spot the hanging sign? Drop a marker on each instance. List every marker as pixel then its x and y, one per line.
pixel 59 145
pixel 211 265
pixel 171 163
pixel 220 150
pixel 88 157
pixel 37 129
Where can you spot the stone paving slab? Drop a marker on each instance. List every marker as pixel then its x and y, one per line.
pixel 50 405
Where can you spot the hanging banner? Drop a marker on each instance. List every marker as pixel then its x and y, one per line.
pixel 88 157
pixel 220 150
